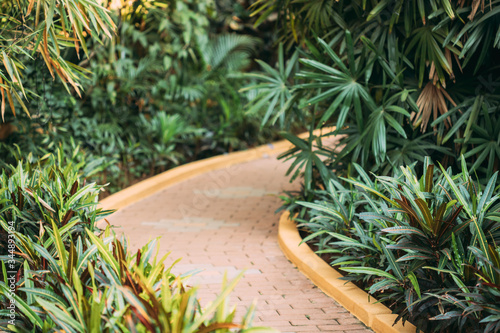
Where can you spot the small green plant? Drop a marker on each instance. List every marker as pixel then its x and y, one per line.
pixel 93 284
pixel 73 277
pixel 425 245
pixel 50 191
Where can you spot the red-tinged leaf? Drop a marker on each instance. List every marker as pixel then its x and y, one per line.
pixel 447 253
pixel 429 221
pixel 143 320
pixel 440 212
pixel 429 177
pixel 138 307
pixel 408 210
pixel 414 256
pixel 399 230
pixel 452 218
pixel 410 246
pixel 74 188
pixel 69 214
pixel 138 258
pixel 450 221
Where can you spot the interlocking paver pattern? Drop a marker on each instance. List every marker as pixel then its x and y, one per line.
pixel 224 222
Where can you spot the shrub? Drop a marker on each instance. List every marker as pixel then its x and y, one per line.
pixel 52 28
pixel 427 246
pixel 93 284
pixel 400 80
pixel 50 191
pixel 72 277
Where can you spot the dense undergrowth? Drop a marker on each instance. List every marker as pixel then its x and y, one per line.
pixel 426 246
pixel 70 276
pixel 403 82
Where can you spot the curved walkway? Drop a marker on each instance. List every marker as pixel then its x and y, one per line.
pixel 224 221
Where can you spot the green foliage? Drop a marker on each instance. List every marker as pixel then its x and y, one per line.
pixel 73 277
pixel 426 245
pixel 163 91
pixel 45 29
pixel 276 91
pixel 399 79
pixel 93 283
pixel 307 156
pixel 50 192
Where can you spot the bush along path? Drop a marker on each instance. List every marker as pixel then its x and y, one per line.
pixel 224 222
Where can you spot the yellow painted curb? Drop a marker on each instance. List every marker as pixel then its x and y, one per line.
pixel 157 183
pixel 374 315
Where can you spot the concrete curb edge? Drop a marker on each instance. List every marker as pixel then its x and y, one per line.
pixel 374 315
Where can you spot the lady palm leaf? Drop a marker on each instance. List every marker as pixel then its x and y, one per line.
pixel 307 158
pixel 482 29
pixel 485 140
pixel 275 92
pixel 339 83
pixel 428 50
pixel 229 51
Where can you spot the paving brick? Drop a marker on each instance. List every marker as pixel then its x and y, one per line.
pixel 294 313
pixel 348 321
pixel 308 322
pixel 341 328
pixel 304 329
pixel 305 304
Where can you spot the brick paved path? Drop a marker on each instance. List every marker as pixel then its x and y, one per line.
pixel 224 221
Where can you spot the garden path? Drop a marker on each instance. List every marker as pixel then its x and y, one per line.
pixel 225 221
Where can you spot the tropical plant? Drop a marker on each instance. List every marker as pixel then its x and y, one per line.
pixel 424 245
pixel 90 283
pixel 73 277
pixel 48 192
pixel 163 91
pixel 400 79
pixel 32 29
pixel 275 90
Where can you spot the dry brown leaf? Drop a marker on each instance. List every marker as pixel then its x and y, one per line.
pixel 30 7
pixel 11 103
pixel 432 101
pixel 37 15
pixel 3 100
pixel 447 54
pixel 77 44
pixel 474 7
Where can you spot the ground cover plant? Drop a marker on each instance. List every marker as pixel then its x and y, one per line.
pixel 426 246
pixel 73 277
